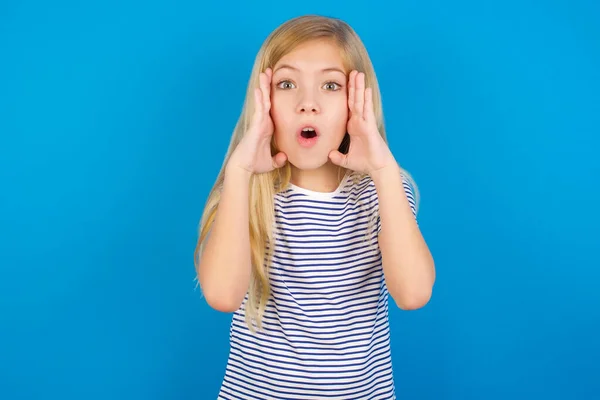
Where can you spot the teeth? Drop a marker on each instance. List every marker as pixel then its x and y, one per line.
pixel 308 130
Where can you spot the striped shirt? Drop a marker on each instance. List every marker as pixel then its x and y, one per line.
pixel 325 330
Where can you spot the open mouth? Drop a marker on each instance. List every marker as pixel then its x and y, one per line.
pixel 308 133
pixel 308 136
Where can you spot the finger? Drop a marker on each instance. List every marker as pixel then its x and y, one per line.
pixel 258 102
pixel 268 80
pixel 368 112
pixel 338 158
pixel 351 86
pixel 266 92
pixel 359 94
pixel 279 160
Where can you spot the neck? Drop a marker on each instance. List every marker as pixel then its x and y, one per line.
pixel 324 179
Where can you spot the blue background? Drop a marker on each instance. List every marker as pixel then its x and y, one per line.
pixel 114 120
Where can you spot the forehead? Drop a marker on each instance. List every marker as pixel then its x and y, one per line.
pixel 313 55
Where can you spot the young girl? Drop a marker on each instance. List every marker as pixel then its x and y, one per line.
pixel 311 224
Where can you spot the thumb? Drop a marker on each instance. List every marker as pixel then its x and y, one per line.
pixel 279 160
pixel 338 158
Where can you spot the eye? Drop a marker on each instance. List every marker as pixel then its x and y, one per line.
pixel 332 86
pixel 286 84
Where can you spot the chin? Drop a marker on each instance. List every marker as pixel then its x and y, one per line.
pixel 308 163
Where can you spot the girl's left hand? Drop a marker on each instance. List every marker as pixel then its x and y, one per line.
pixel 368 151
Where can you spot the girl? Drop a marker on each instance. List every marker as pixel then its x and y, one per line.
pixel 311 224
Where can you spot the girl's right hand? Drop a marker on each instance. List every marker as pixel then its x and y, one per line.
pixel 253 153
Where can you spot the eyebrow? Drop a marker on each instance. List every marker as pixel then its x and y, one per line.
pixel 330 69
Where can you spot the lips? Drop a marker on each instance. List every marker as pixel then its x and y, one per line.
pixel 308 132
pixel 307 135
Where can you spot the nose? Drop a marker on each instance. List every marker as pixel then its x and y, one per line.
pixel 308 104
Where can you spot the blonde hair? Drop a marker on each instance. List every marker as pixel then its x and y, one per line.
pixel 264 187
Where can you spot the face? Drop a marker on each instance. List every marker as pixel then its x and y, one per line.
pixel 309 92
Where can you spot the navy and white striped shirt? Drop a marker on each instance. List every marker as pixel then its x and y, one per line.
pixel 325 331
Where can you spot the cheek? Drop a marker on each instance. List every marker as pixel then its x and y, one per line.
pixel 281 118
pixel 279 112
pixel 342 113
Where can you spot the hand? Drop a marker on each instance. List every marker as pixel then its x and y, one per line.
pixel 368 151
pixel 253 153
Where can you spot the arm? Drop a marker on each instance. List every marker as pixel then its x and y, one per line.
pixel 225 263
pixel 407 263
pixel 225 266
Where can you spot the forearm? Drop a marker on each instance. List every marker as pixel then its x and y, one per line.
pixel 225 263
pixel 407 262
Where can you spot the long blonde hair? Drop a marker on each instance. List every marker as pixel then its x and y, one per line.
pixel 264 187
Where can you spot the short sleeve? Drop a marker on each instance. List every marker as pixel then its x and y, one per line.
pixel 410 195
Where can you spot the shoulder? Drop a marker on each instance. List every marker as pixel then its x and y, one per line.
pixel 359 185
pixel 408 184
pixel 363 185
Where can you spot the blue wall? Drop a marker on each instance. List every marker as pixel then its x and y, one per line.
pixel 114 120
